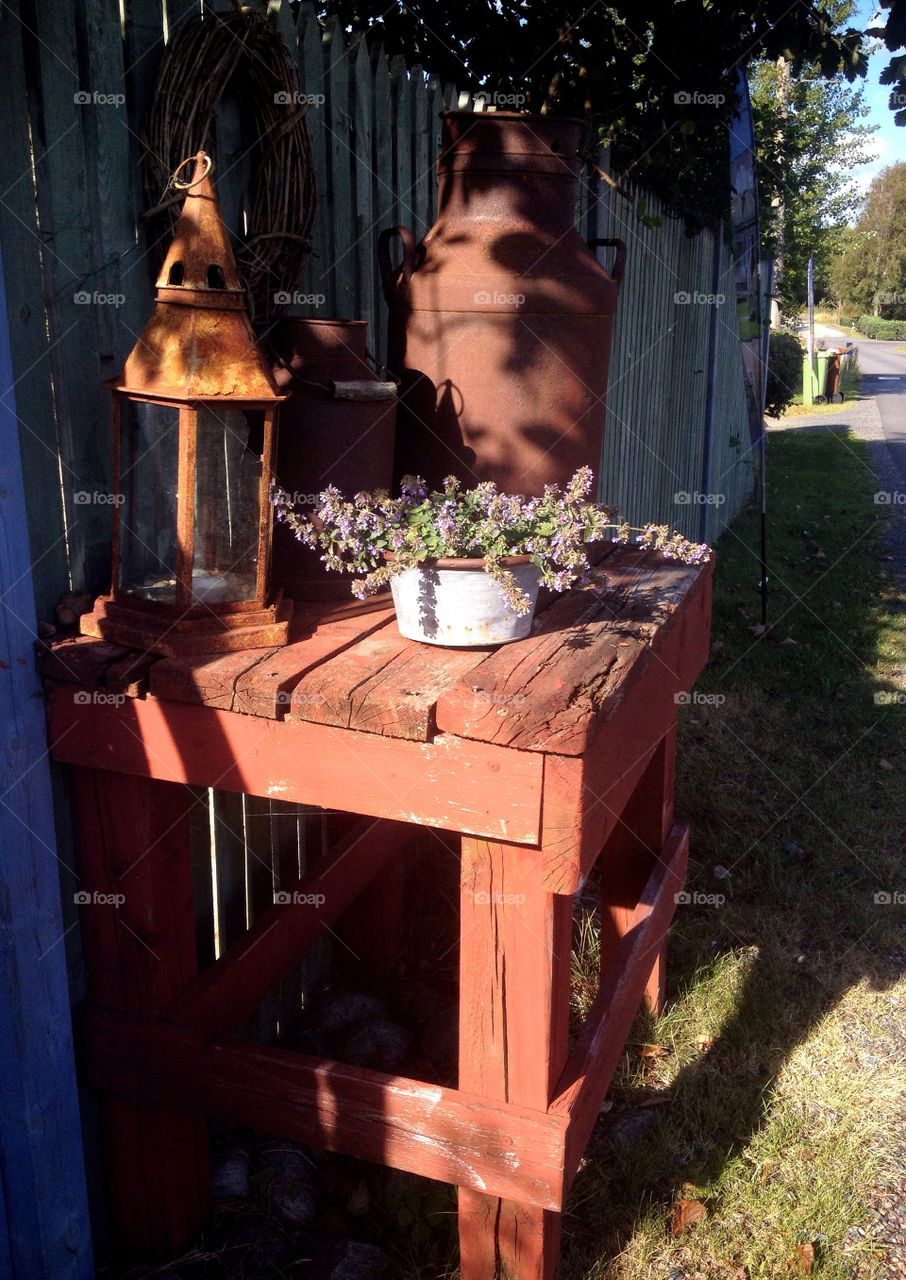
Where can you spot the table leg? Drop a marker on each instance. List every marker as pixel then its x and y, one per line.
pixel 138 929
pixel 515 954
pixel 629 856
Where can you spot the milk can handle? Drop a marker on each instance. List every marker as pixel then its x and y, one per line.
pixel 394 276
pixel 619 261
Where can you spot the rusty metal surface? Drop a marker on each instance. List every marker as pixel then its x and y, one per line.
pixel 501 318
pixel 199 351
pixel 325 438
pixel 198 343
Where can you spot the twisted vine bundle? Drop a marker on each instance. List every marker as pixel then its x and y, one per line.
pixel 240 52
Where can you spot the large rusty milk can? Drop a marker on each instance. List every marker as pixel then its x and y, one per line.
pixel 501 318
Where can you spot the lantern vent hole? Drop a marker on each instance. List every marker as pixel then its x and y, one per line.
pixel 176 274
pixel 216 278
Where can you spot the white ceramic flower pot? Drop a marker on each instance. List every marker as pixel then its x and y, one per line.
pixel 454 602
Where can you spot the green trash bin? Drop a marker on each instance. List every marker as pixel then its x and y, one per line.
pixel 822 373
pixel 812 389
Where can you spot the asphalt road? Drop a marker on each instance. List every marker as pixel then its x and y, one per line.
pixel 883 366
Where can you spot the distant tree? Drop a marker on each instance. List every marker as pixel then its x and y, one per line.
pixel 809 135
pixel 869 275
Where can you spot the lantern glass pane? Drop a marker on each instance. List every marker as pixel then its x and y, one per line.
pixel 227 497
pixel 149 435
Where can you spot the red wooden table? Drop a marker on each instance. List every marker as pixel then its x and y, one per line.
pixel 547 756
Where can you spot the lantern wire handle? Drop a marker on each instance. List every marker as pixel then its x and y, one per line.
pixel 186 186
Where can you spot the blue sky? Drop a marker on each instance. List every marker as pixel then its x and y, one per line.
pixel 890 141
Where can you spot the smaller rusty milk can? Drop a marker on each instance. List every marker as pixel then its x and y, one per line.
pixel 501 319
pixel 337 427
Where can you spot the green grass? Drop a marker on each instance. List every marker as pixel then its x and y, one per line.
pixel 780 1077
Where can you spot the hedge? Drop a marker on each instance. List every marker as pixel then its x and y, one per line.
pixel 875 327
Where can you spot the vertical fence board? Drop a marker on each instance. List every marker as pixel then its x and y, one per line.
pixel 59 114
pixel 19 234
pixel 384 198
pixel 319 274
pixel 401 99
pixel 340 125
pixel 422 176
pixel 363 143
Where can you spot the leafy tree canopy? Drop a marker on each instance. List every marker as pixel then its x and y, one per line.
pixel 809 137
pixel 869 276
pixel 657 78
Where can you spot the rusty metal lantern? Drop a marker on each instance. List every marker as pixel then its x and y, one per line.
pixel 194 426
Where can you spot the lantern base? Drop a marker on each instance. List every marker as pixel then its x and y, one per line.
pixel 114 620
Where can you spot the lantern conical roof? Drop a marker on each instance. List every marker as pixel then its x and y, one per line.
pixel 199 343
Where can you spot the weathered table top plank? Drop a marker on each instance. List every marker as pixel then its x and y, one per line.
pixel 384 684
pixel 547 693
